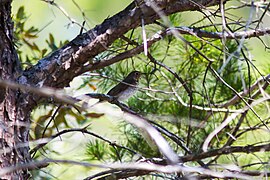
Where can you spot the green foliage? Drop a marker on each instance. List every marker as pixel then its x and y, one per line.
pixel 96 150
pixel 26 38
pixel 54 118
pixel 175 19
pixel 102 151
pixel 163 106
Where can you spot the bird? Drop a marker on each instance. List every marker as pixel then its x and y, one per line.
pixel 126 88
pixel 123 90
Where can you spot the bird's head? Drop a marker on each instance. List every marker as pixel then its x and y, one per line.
pixel 133 77
pixel 136 75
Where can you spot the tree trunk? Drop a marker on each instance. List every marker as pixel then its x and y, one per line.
pixel 14 106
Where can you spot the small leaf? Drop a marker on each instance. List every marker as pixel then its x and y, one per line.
pixel 30 36
pixel 35 47
pixel 20 13
pixel 32 29
pixel 94 115
pixel 40 124
pixel 51 38
pixel 60 117
pixel 92 86
pixel 43 52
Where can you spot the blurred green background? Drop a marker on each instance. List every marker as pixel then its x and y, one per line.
pixel 52 20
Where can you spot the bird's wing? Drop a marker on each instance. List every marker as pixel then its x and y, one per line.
pixel 117 89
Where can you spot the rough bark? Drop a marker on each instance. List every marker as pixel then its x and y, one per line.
pixel 14 117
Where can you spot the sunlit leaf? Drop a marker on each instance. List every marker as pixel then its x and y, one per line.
pixel 94 115
pixel 20 13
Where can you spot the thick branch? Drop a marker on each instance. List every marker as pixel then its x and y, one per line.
pixel 59 68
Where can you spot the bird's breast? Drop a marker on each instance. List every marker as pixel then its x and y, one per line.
pixel 127 93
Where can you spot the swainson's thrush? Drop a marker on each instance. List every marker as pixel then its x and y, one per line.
pixel 127 87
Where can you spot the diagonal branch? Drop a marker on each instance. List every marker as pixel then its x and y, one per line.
pixel 60 67
pixel 227 150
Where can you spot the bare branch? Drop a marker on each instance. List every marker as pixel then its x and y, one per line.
pixel 84 131
pixel 247 92
pixel 150 167
pixel 228 120
pixel 226 150
pixel 44 91
pixel 219 35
